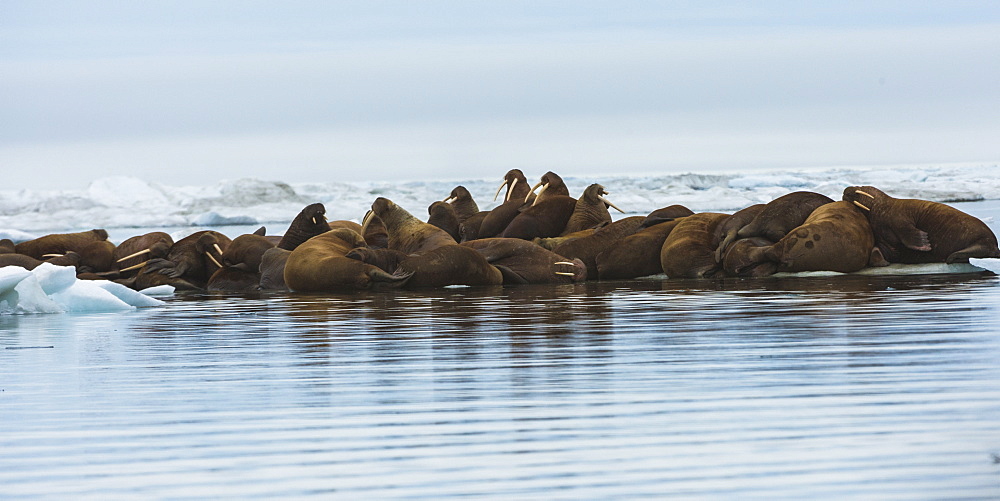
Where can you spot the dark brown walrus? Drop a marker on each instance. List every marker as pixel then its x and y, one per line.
pixel 319 265
pixel 664 214
pixel 497 220
pixel 689 250
pixel 308 223
pixel 835 237
pixel 193 258
pixel 442 215
pixel 589 247
pixel 241 263
pixel 60 243
pixel 548 214
pixel 136 251
pixel 591 210
pixel 527 263
pixel 465 206
pixel 782 214
pixel 272 269
pixel 637 255
pixel 920 231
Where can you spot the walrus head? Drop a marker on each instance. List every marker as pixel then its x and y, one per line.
pixel 596 192
pixel 550 182
pixel 862 196
pixel 309 222
pixel 510 180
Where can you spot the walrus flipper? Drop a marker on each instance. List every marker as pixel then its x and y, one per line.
pixel 511 277
pixel 915 238
pixel 974 250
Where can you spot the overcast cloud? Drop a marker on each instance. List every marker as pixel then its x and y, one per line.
pixel 194 92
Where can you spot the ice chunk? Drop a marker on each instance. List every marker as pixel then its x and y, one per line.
pixel 159 290
pixel 16 236
pixel 212 218
pixel 85 295
pixel 54 278
pixel 986 263
pixel 30 298
pixel 129 296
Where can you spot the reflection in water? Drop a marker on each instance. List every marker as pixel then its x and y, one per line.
pixel 865 387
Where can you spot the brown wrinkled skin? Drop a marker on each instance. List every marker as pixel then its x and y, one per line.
pixel 531 263
pixel 319 265
pixel 589 212
pixel 547 218
pixel 689 250
pixel 739 262
pixel 462 201
pixel 729 229
pixel 782 214
pixel 60 243
pixel 272 269
pixel 588 248
pixel 442 215
pixel 449 265
pixel 500 217
pixel 920 231
pixel 407 234
pixel 637 255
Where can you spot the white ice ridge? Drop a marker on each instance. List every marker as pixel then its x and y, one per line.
pixel 125 202
pixel 986 263
pixel 55 289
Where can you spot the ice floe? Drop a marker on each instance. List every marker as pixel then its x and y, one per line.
pixel 55 289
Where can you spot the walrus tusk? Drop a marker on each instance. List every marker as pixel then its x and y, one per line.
pixel 511 190
pixel 538 195
pixel 135 254
pixel 869 195
pixel 368 217
pixel 862 206
pixel 134 266
pixel 218 249
pixel 498 190
pixel 452 199
pixel 532 190
pixel 566 273
pixel 216 261
pixel 565 262
pixel 53 255
pixel 605 200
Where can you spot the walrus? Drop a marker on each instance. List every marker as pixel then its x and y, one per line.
pixel 737 260
pixel 193 258
pixel 500 217
pixel 524 262
pixel 689 250
pixel 465 206
pixel 551 186
pixel 374 231
pixel 449 265
pixel 835 237
pixel 319 265
pixel 636 255
pixel 729 229
pixel 782 214
pixel 664 214
pixel 135 252
pixel 241 263
pixel 591 210
pixel 442 215
pixel 920 231
pixel 309 222
pixel 587 248
pixel 344 223
pixel 7 246
pixel 406 233
pixel 29 263
pixel 469 229
pixel 60 243
pixel 272 269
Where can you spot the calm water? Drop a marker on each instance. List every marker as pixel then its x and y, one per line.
pixel 838 387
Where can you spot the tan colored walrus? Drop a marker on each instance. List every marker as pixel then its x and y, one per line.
pixel 920 231
pixel 319 265
pixel 689 250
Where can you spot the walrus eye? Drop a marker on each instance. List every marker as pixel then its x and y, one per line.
pixel 865 194
pixel 862 206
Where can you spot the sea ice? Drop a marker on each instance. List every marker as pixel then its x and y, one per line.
pixel 55 289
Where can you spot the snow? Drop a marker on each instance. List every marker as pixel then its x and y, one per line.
pixel 55 289
pixel 124 202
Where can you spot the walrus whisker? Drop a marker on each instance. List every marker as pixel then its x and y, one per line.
pixel 134 254
pixel 566 273
pixel 498 191
pixel 53 255
pixel 869 195
pixel 134 266
pixel 615 207
pixel 216 261
pixel 511 190
pixel 862 206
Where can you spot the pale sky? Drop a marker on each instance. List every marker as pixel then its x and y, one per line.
pixel 192 92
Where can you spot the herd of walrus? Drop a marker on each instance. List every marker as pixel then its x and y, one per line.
pixel 531 237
